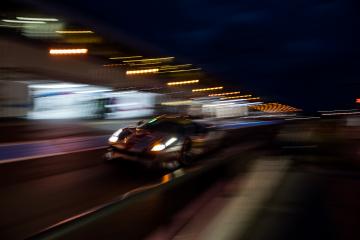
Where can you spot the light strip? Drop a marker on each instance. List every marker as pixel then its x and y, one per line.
pixel 73 31
pixel 133 72
pixel 275 107
pixel 182 82
pixel 245 97
pixel 254 98
pixel 129 57
pixel 169 67
pixel 344 113
pixel 207 89
pixel 143 64
pixel 38 19
pixel 175 103
pixel 20 21
pixel 185 70
pixel 223 94
pixel 68 51
pixel 114 65
pixel 57 85
pixel 150 59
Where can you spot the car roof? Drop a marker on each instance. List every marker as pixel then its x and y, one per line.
pixel 173 118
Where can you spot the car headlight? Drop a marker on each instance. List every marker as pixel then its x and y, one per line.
pixel 115 137
pixel 160 146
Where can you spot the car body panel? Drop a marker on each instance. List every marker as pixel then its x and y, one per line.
pixel 135 144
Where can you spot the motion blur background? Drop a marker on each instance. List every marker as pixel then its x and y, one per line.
pixel 279 77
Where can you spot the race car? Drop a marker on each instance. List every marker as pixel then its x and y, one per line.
pixel 163 142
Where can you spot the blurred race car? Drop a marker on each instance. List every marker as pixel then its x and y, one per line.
pixel 164 142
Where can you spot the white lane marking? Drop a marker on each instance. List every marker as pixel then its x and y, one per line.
pixel 55 140
pixel 11 160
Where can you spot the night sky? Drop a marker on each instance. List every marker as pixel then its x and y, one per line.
pixel 301 52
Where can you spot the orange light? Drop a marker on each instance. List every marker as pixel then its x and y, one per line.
pixel 254 98
pixel 142 71
pixel 238 97
pixel 183 70
pixel 207 89
pixel 223 94
pixel 358 100
pixel 68 51
pixel 176 103
pixel 274 107
pixel 114 65
pixel 182 82
pixel 151 59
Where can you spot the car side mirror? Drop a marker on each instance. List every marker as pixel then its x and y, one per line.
pixel 141 122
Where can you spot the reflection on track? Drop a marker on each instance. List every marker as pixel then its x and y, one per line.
pixel 31 150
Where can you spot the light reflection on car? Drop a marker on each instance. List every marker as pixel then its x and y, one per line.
pixel 163 142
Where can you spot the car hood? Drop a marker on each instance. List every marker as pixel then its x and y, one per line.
pixel 139 140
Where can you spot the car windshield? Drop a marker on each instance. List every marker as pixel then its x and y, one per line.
pixel 163 126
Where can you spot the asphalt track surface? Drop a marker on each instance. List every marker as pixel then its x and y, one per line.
pixel 318 199
pixel 40 192
pixel 34 203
